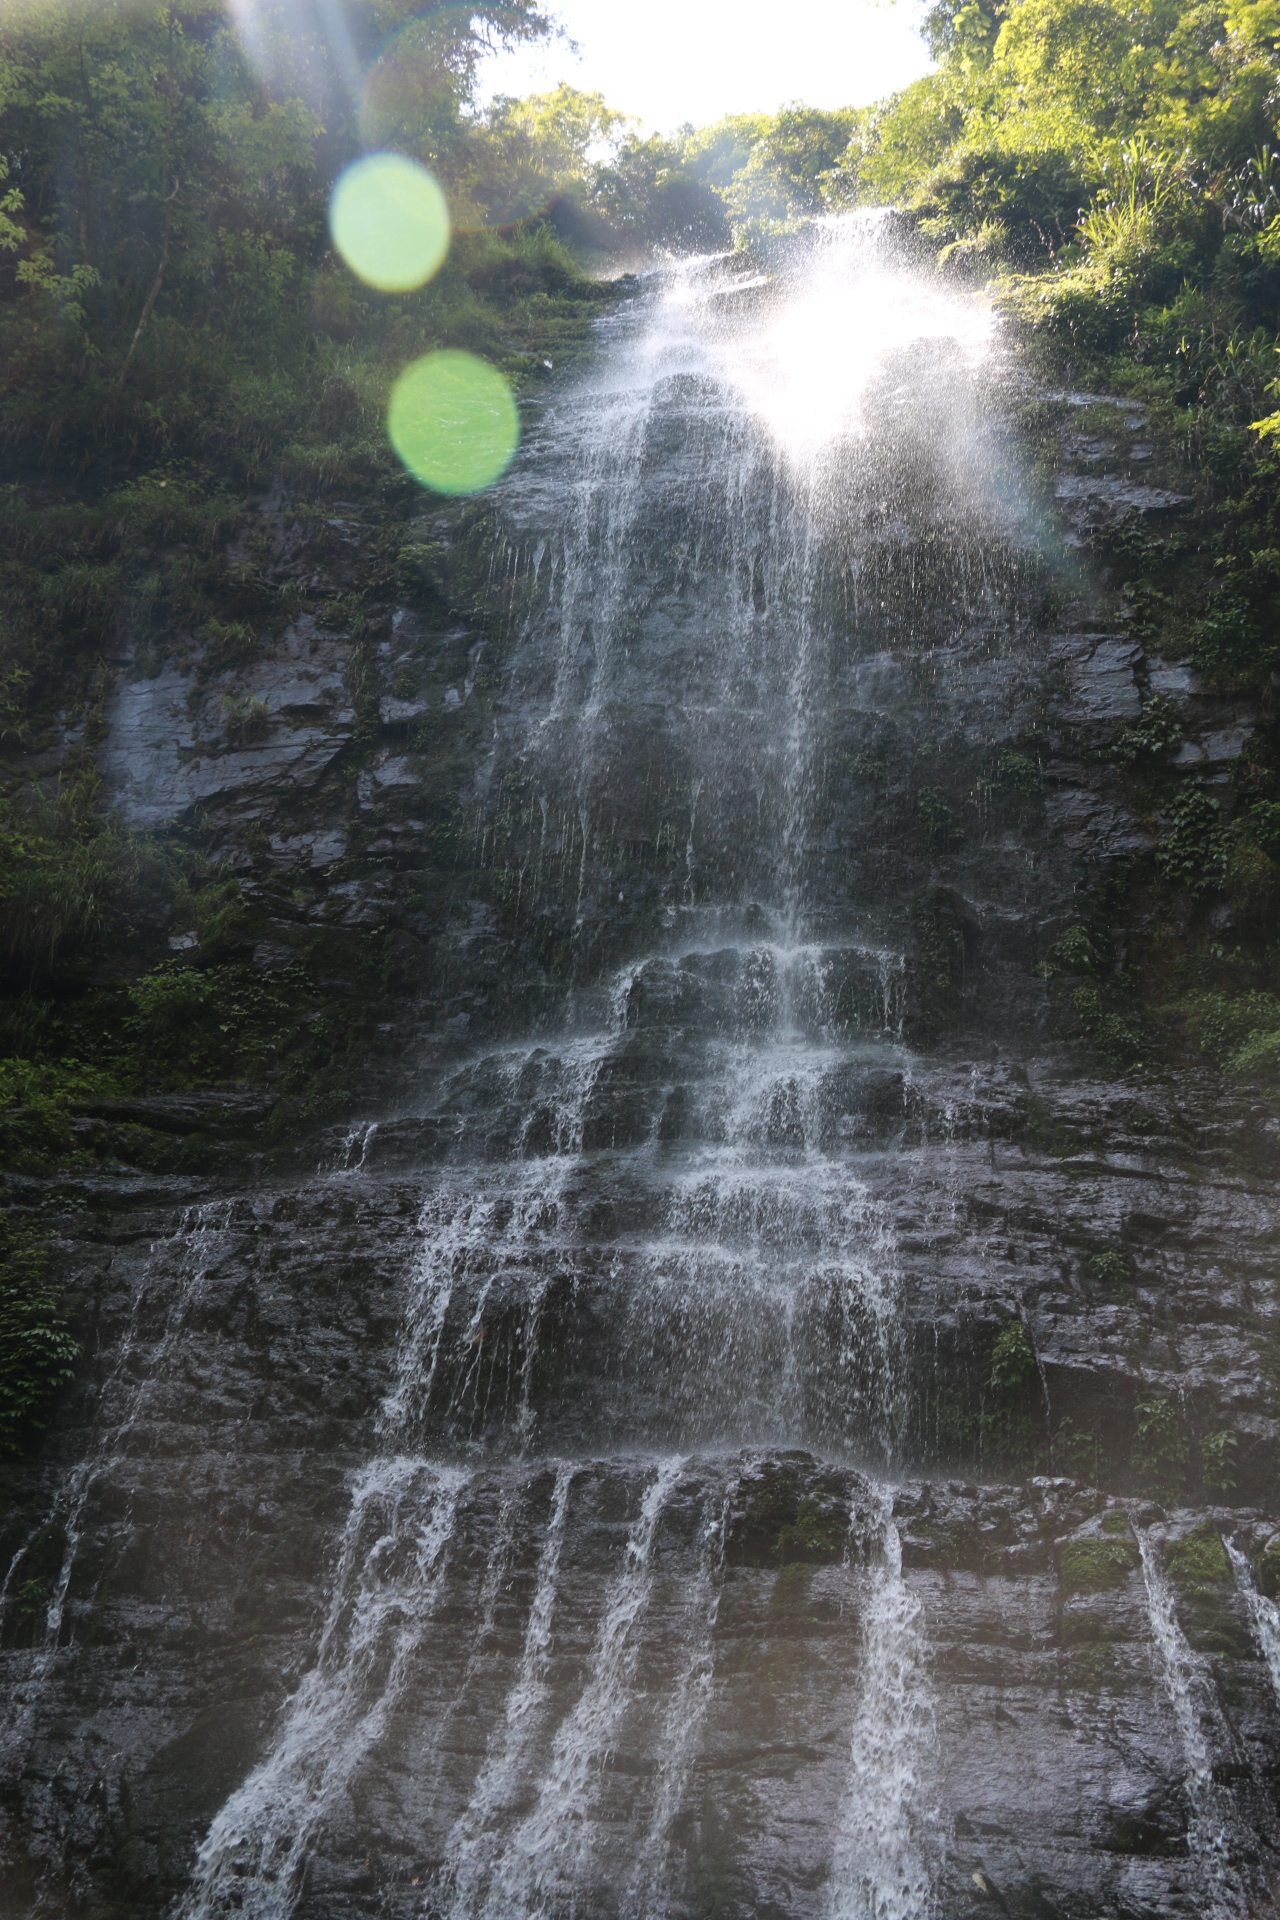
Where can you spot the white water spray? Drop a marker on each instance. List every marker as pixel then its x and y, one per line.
pixel 880 1869
pixel 1188 1688
pixel 548 1855
pixel 1264 1614
pixel 475 1839
pixel 383 1598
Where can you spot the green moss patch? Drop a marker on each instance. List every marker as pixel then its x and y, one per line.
pixel 1199 1559
pixel 1091 1566
pixel 781 1525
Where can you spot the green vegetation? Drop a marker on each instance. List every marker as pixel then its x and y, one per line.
pixel 1218 1461
pixel 1110 1268
pixel 1154 736
pixel 177 335
pixel 1092 1565
pixel 1130 230
pixel 1011 1424
pixel 1199 1559
pixel 1160 1447
pixel 1110 1033
pixel 937 928
pixel 37 1352
pixel 781 1526
pixel 1075 952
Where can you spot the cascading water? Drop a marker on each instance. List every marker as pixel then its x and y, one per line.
pixel 1209 1833
pixel 542 1510
pixel 648 1230
pixel 880 1870
pixel 1264 1614
pixel 202 1237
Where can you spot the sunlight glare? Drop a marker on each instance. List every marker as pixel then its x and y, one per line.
pixel 453 421
pixel 805 370
pixel 390 221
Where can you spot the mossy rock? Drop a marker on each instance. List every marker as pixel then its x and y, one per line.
pixel 817 1536
pixel 1213 1629
pixel 1199 1559
pixel 781 1525
pixel 1093 1666
pixel 1082 1627
pixel 1091 1566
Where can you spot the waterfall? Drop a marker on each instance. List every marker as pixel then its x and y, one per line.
pixel 390 1573
pixel 879 1869
pixel 1264 1614
pixel 199 1241
pixel 474 1840
pixel 1188 1688
pixel 545 1859
pixel 683 1722
pixel 649 1243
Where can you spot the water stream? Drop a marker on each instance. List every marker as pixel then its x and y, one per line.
pixel 177 1270
pixel 1188 1686
pixel 1264 1614
pixel 649 1246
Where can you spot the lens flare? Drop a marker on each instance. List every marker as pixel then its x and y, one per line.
pixel 453 421
pixel 390 221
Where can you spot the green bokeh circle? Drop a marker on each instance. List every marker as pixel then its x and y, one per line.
pixel 390 221
pixel 453 421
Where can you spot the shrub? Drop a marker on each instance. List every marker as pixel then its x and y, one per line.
pixel 1118 1044
pixel 1110 1269
pixel 1009 1423
pixel 1073 953
pixel 1155 734
pixel 940 831
pixel 194 1025
pixel 1013 1361
pixel 37 1100
pixel 1252 880
pixel 1260 1054
pixel 1261 823
pixel 1076 1452
pixel 37 1352
pixel 1193 855
pixel 1234 644
pixel 1019 776
pixel 1218 1461
pixel 62 870
pixel 1239 1032
pixel 1160 1450
pixel 937 922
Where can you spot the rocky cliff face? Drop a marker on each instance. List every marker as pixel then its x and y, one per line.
pixel 713 1434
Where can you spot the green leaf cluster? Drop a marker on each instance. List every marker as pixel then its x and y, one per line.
pixel 37 1350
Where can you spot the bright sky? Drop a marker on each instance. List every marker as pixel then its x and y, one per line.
pixel 668 61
